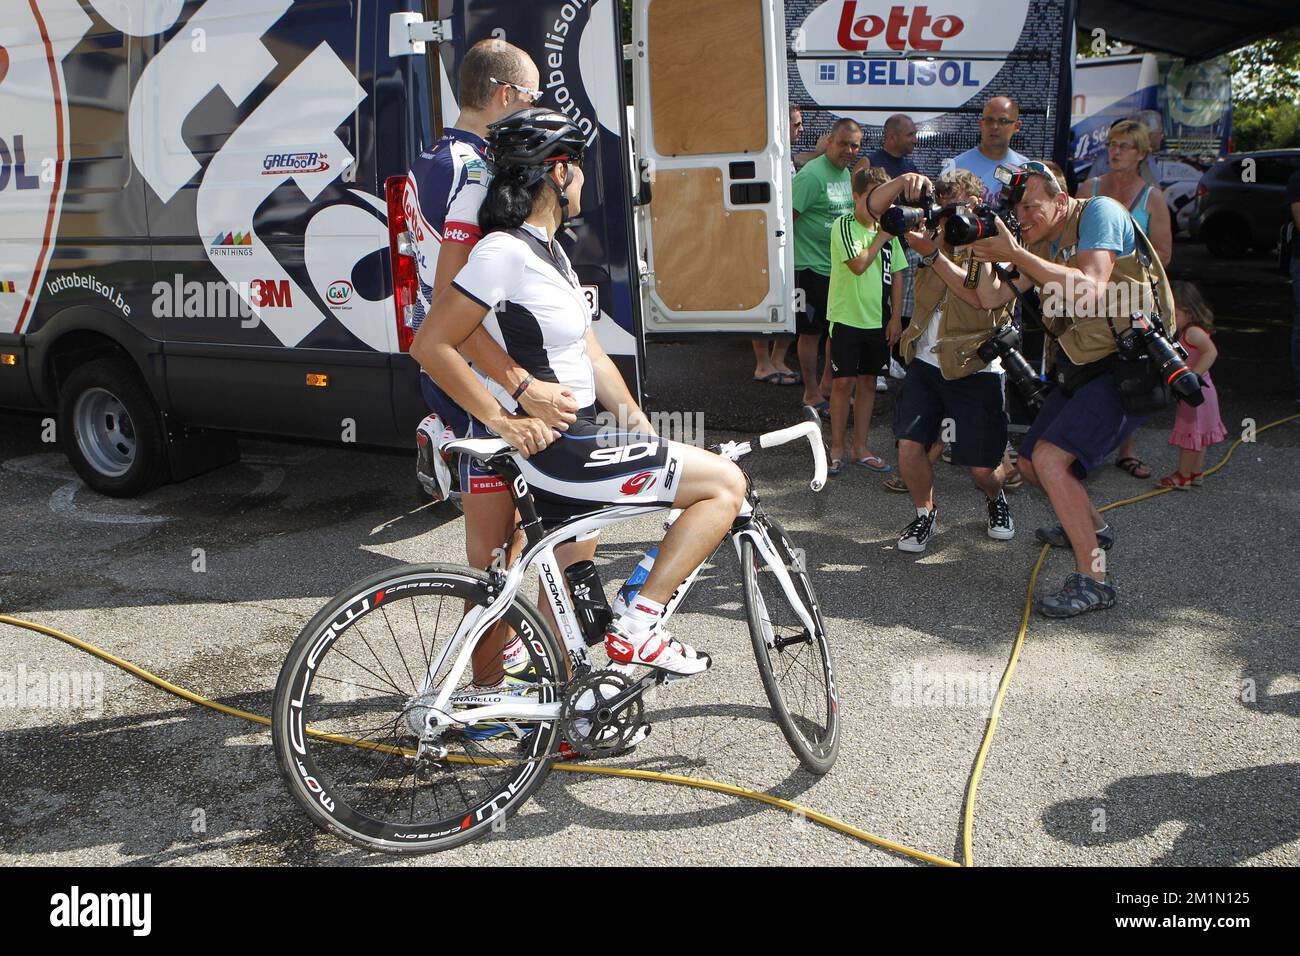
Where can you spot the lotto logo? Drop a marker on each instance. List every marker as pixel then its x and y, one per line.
pixel 456 234
pixel 902 30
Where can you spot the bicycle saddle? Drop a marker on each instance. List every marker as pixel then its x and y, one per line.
pixel 480 448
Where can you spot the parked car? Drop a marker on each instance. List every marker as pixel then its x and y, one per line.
pixel 1241 201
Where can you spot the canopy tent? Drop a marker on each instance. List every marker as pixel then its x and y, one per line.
pixel 1194 31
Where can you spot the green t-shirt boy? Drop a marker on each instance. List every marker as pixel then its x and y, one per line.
pixel 821 193
pixel 862 301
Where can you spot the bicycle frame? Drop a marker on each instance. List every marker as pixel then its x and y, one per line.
pixel 539 556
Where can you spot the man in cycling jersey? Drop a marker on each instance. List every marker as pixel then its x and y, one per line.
pixel 519 286
pixel 444 189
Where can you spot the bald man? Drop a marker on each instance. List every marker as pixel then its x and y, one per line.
pixel 999 121
pixel 895 155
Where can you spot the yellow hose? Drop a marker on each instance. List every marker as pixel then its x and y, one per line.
pixel 968 813
pixel 694 782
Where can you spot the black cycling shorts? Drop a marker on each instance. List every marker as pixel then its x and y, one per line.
pixel 816 289
pixel 591 466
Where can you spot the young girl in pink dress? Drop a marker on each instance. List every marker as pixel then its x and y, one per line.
pixel 1195 429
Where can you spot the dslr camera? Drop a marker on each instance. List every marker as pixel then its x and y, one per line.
pixel 963 223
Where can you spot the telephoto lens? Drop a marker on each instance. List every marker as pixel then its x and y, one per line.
pixel 1182 381
pixel 900 219
pixel 1005 344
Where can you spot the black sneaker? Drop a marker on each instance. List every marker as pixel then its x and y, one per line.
pixel 1078 595
pixel 918 534
pixel 1057 539
pixel 1001 527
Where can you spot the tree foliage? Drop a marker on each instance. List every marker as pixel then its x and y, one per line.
pixel 1266 93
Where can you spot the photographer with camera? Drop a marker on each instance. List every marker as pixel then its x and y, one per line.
pixel 947 377
pixel 1095 270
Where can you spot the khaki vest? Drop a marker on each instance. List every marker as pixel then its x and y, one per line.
pixel 962 327
pixel 1089 338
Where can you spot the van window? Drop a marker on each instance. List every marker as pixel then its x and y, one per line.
pixel 98 78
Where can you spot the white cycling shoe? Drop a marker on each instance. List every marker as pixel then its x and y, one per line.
pixel 655 648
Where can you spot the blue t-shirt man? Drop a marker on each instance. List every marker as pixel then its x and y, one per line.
pixel 983 167
pixel 1105 224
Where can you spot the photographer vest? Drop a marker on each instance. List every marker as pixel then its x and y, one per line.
pixel 962 326
pixel 1089 338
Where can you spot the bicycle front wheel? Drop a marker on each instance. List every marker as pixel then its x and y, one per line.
pixel 349 711
pixel 793 662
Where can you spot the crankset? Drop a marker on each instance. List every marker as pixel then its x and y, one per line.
pixel 603 712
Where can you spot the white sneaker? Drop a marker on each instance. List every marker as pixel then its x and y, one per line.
pixel 655 648
pixel 916 536
pixel 882 383
pixel 1001 527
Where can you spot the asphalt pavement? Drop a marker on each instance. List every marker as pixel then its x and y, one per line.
pixel 1163 731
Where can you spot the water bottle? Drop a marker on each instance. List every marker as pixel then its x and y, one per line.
pixel 628 592
pixel 589 600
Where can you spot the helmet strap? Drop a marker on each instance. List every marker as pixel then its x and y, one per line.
pixel 562 194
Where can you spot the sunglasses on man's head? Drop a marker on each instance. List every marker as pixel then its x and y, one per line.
pixel 533 95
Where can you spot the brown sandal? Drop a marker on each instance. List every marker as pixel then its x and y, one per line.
pixel 1136 467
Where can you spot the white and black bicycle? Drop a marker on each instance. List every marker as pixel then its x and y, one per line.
pixel 381 740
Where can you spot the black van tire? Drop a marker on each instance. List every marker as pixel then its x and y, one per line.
pixel 125 457
pixel 1227 236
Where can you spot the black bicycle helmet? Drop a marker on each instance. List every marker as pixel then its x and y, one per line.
pixel 533 137
pixel 525 143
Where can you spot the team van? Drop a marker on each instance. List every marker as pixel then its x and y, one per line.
pixel 202 227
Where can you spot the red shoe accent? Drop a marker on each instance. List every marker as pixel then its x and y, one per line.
pixel 619 649
pixel 658 650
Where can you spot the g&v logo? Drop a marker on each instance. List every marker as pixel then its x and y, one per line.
pixel 903 29
pixel 942 53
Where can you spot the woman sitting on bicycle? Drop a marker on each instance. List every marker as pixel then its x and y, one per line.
pixel 520 286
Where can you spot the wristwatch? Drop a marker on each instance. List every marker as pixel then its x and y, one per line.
pixel 930 259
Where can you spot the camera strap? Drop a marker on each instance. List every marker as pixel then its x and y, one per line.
pixel 1028 307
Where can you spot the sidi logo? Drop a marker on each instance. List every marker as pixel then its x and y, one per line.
pixel 901 29
pixel 75 908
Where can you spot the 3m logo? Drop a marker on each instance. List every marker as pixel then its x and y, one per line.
pixel 902 30
pixel 638 483
pixel 233 244
pixel 270 293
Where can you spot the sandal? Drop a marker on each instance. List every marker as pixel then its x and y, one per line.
pixel 835 468
pixel 1176 480
pixel 895 483
pixel 790 378
pixel 1015 482
pixel 880 465
pixel 1136 467
pixel 1198 478
pixel 773 378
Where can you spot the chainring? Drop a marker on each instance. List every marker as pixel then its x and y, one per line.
pixel 589 725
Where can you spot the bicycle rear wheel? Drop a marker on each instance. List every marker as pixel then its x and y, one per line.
pixel 794 664
pixel 347 708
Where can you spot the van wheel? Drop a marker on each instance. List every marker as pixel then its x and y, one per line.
pixel 111 430
pixel 1227 237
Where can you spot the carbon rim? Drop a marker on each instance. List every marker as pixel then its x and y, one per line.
pixel 797 664
pixel 354 680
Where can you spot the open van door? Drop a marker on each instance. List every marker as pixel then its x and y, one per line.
pixel 709 78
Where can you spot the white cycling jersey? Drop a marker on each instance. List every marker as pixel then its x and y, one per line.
pixel 543 317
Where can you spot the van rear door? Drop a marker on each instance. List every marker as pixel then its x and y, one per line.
pixel 713 140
